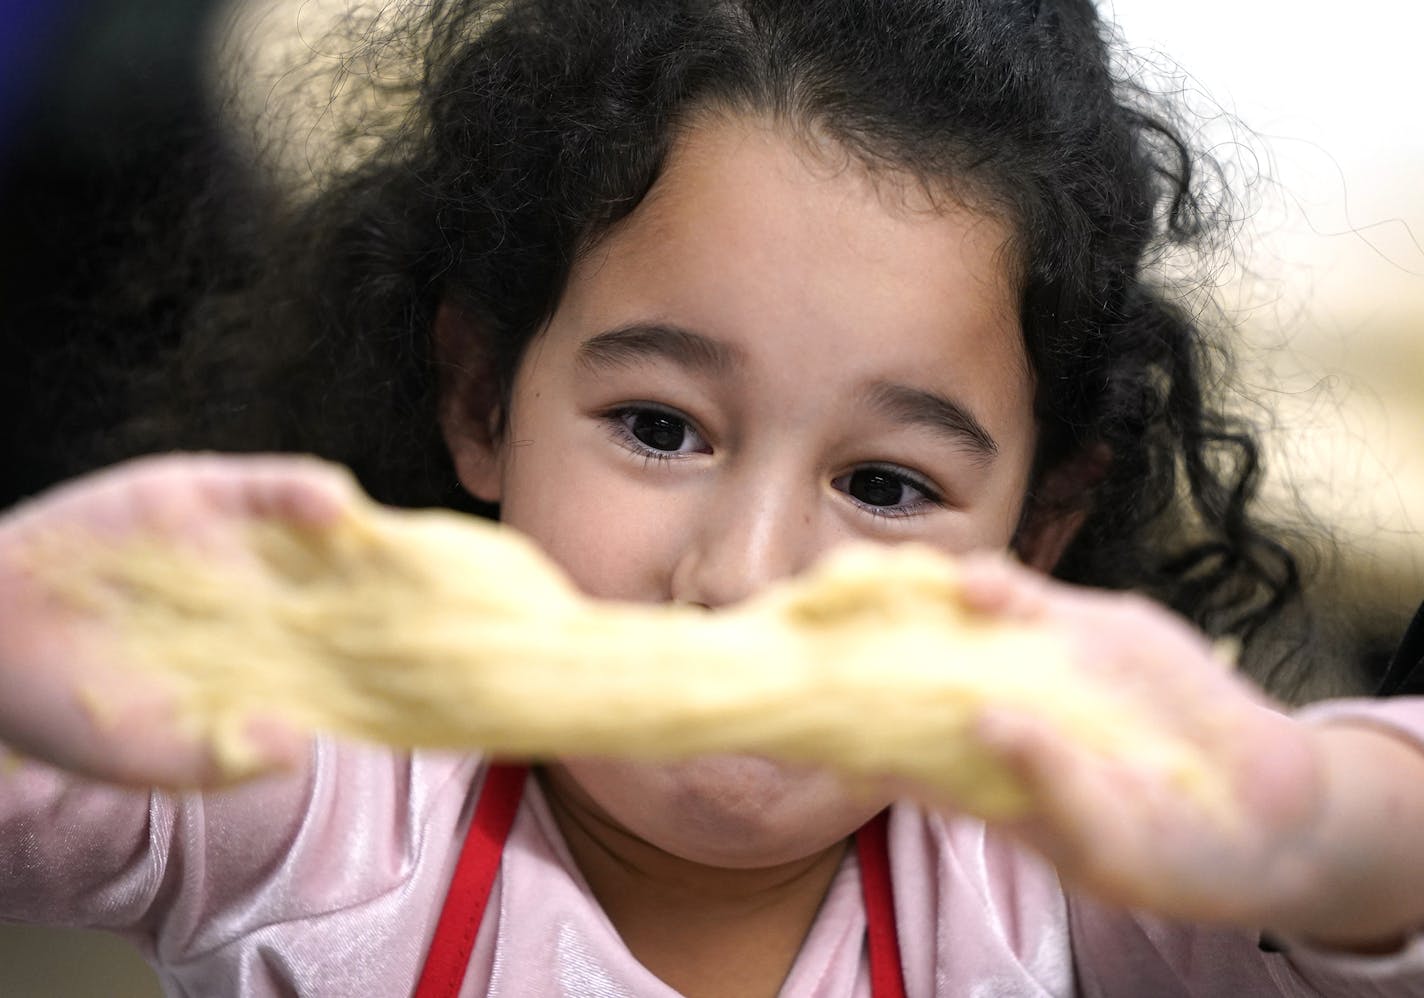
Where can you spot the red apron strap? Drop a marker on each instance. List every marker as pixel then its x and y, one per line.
pixel 872 846
pixel 464 909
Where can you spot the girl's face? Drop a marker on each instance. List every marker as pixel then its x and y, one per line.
pixel 774 354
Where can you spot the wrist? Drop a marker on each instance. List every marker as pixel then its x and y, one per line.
pixel 1363 865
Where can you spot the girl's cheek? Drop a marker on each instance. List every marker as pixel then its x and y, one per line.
pixel 616 537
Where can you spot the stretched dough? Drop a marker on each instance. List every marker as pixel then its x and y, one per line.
pixel 439 630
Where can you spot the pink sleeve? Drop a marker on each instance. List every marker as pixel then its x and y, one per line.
pixel 78 853
pixel 85 854
pixel 1120 953
pixel 325 881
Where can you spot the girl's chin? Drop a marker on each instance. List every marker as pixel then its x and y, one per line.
pixel 750 771
pixel 724 810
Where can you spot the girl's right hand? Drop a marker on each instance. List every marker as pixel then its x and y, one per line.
pixel 67 697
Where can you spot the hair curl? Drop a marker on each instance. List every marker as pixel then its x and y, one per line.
pixel 538 124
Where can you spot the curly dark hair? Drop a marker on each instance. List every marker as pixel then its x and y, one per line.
pixel 536 125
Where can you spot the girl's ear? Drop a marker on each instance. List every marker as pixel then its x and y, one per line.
pixel 469 407
pixel 1058 507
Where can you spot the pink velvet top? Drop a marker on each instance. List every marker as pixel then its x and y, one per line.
pixel 329 883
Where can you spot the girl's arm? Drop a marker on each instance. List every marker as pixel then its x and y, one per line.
pixel 82 852
pixel 1324 841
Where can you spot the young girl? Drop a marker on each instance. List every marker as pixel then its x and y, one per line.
pixel 692 293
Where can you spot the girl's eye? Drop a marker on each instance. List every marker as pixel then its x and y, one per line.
pixel 888 491
pixel 656 429
pixel 656 432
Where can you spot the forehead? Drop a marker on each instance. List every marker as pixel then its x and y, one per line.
pixel 771 239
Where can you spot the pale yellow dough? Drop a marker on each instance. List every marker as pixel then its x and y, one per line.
pixel 438 630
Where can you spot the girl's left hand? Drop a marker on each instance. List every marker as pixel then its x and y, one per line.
pixel 1125 834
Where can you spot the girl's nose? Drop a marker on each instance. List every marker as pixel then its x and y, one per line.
pixel 745 539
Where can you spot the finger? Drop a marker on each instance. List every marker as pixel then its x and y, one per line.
pixel 1080 813
pixel 265 746
pixel 994 584
pixel 146 744
pixel 295 489
pixel 298 490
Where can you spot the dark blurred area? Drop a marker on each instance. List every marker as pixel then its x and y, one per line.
pixel 104 145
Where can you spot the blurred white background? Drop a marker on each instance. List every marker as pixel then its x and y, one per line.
pixel 1318 107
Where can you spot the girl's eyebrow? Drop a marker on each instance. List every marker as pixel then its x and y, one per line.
pixel 641 341
pixel 938 413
